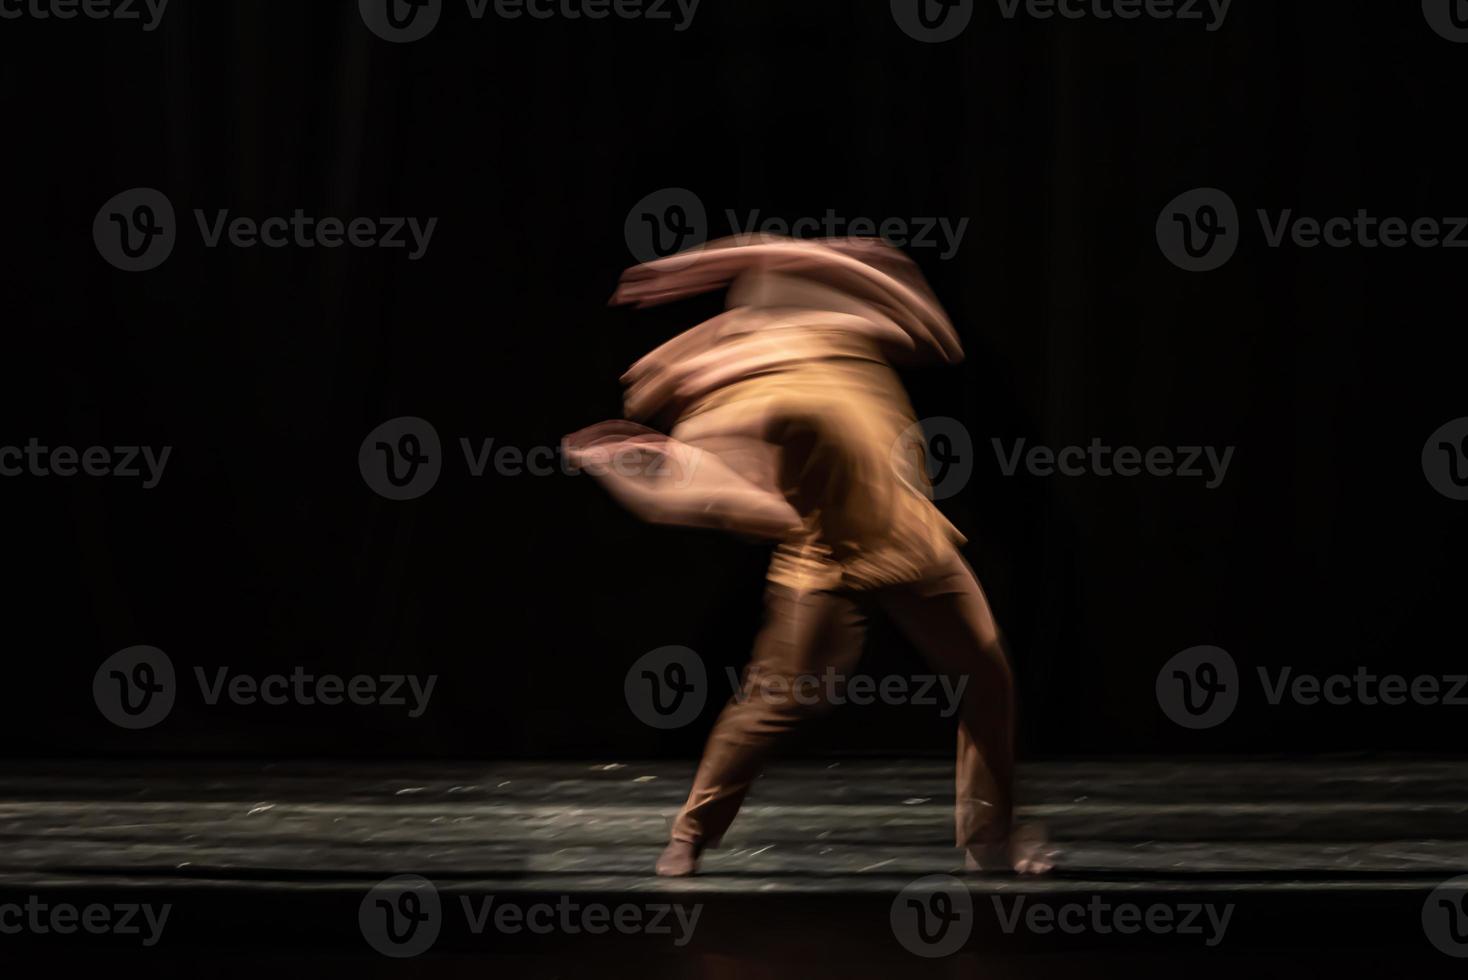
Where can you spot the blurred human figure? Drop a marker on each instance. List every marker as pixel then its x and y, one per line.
pixel 788 422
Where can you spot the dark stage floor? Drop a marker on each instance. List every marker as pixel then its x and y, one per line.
pixel 1223 866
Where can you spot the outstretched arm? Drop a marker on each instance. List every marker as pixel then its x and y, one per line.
pixel 666 481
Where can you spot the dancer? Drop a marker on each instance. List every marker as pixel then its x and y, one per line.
pixel 788 422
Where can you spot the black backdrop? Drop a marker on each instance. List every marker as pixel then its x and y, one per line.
pixel 263 549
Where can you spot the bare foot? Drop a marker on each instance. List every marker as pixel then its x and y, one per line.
pixel 679 859
pixel 1026 852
